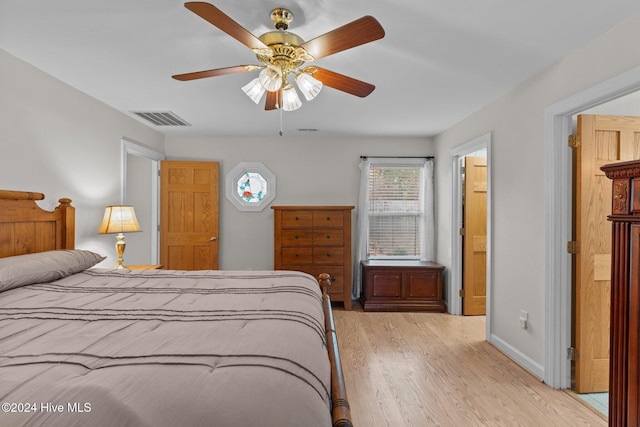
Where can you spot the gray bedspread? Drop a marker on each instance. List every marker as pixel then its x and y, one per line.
pixel 165 348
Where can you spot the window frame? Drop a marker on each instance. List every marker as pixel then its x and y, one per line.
pixel 418 163
pixel 238 172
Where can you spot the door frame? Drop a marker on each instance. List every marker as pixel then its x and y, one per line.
pixel 133 148
pixel 482 142
pixel 558 125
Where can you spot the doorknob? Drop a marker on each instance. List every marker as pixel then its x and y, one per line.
pixel 213 239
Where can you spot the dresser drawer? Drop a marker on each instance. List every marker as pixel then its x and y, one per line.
pixel 337 277
pixel 297 219
pixel 295 237
pixel 328 255
pixel 328 237
pixel 297 256
pixel 328 219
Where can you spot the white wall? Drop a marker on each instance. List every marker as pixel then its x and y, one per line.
pixel 138 182
pixel 58 141
pixel 309 171
pixel 517 125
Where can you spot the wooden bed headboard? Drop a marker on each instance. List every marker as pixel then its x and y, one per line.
pixel 26 228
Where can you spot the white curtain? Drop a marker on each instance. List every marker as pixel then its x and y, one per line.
pixel 428 247
pixel 362 228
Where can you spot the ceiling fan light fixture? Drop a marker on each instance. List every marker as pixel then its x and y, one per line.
pixel 254 90
pixel 282 53
pixel 290 99
pixel 308 85
pixel 271 78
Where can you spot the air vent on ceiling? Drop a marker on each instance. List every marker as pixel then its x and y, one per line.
pixel 161 118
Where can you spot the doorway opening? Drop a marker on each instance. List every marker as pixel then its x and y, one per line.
pixel 140 169
pixel 476 148
pixel 558 212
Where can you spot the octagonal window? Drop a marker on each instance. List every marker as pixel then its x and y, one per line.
pixel 250 186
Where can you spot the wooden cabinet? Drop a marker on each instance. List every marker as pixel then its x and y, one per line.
pixel 624 354
pixel 401 286
pixel 316 239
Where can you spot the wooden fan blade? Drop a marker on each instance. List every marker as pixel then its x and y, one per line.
pixel 356 33
pixel 218 18
pixel 344 83
pixel 215 72
pixel 273 100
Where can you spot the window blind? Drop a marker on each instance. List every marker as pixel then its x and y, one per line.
pixel 395 209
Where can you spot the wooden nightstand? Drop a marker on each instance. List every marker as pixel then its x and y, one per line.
pixel 144 267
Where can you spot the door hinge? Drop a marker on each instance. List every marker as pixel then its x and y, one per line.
pixel 461 293
pixel 571 353
pixel 574 141
pixel 461 231
pixel 573 247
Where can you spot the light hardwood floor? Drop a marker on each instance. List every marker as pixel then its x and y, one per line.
pixel 433 369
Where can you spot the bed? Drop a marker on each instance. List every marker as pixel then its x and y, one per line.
pixel 83 346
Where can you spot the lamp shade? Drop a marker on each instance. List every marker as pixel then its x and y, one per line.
pixel 290 99
pixel 308 85
pixel 119 219
pixel 254 90
pixel 271 78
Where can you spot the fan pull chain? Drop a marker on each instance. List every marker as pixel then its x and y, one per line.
pixel 280 133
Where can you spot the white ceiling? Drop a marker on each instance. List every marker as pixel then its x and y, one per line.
pixel 440 59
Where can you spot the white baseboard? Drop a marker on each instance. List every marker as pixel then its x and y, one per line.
pixel 518 357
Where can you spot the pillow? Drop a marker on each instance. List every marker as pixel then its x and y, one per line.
pixel 43 267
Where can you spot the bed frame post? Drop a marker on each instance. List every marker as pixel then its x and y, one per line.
pixel 340 411
pixel 68 214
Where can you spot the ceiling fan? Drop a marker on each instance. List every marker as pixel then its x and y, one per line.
pixel 283 54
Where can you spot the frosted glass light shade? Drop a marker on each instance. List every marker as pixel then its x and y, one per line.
pixel 254 90
pixel 308 85
pixel 290 99
pixel 271 78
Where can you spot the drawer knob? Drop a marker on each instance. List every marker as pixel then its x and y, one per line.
pixel 328 218
pixel 328 255
pixel 296 236
pixel 296 218
pixel 328 236
pixel 333 278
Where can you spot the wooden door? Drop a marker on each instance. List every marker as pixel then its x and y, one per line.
pixel 474 280
pixel 189 215
pixel 600 140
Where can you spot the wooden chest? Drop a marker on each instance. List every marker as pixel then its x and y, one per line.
pixel 316 239
pixel 402 286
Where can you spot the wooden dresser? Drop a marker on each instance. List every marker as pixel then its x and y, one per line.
pixel 401 286
pixel 315 239
pixel 624 354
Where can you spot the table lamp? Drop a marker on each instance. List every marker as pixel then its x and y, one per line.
pixel 119 219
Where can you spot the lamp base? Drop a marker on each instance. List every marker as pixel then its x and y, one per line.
pixel 120 245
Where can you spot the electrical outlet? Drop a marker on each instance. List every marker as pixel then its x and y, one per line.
pixel 524 318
